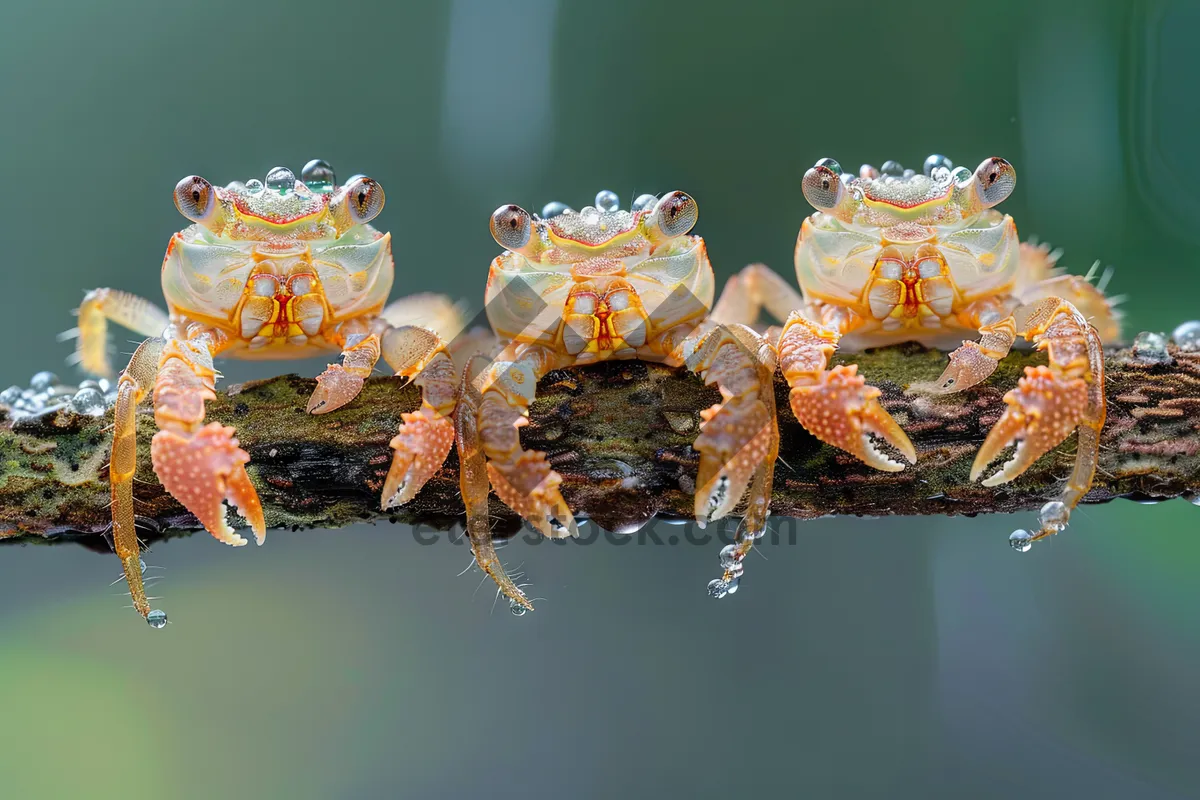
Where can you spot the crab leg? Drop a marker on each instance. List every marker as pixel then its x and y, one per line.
pixel 973 362
pixel 836 405
pixel 341 383
pixel 1049 403
pixel 133 385
pixel 755 288
pixel 739 437
pixel 98 307
pixel 426 435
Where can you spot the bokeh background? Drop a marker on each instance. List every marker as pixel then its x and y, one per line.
pixel 881 658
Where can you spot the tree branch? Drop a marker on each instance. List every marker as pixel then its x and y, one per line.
pixel 620 434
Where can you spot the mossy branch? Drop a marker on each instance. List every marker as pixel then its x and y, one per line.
pixel 620 434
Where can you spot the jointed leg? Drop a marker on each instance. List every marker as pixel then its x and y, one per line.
pixel 755 288
pixel 975 361
pixel 98 307
pixel 1049 403
pixel 341 383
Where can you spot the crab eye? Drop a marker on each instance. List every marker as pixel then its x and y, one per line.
pixel 823 188
pixel 511 227
pixel 676 214
pixel 195 198
pixel 995 179
pixel 364 199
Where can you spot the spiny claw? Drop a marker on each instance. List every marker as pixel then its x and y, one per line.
pixel 530 487
pixel 842 410
pixel 204 469
pixel 968 366
pixel 421 448
pixel 336 387
pixel 1042 411
pixel 735 437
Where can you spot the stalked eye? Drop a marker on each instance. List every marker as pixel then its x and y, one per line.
pixel 195 198
pixel 995 179
pixel 823 187
pixel 676 213
pixel 511 227
pixel 364 199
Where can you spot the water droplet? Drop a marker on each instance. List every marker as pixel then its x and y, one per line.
pixel 281 179
pixel 1187 336
pixel 590 214
pixel 10 395
pixel 1150 346
pixel 961 175
pixel 103 385
pixel 633 526
pixel 43 381
pixel 607 200
pixel 254 186
pixel 516 609
pixel 1054 516
pixel 88 401
pixel 1195 499
pixel 732 586
pixel 142 566
pixel 891 168
pixel 157 619
pixel 90 384
pixel 830 164
pixel 718 588
pixel 645 202
pixel 735 571
pixel 936 161
pixel 553 209
pixel 728 556
pixel 747 535
pixel 318 176
pixel 1021 541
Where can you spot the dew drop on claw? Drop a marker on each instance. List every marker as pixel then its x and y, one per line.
pixel 718 588
pixel 88 401
pixel 1021 541
pixel 607 200
pixel 1054 515
pixel 43 381
pixel 157 619
pixel 281 179
pixel 1187 336
pixel 254 186
pixel 1151 347
pixel 516 608
pixel 645 202
pixel 318 176
pixel 553 209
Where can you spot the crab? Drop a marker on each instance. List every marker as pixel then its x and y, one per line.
pixel 890 256
pixel 284 268
pixel 580 287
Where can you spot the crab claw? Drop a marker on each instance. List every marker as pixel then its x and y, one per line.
pixel 1042 411
pixel 529 487
pixel 421 447
pixel 843 411
pixel 968 366
pixel 735 437
pixel 336 387
pixel 204 469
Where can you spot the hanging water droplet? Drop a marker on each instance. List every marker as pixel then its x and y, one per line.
pixel 318 176
pixel 891 168
pixel 1151 347
pixel 43 381
pixel 11 395
pixel 734 571
pixel 1054 516
pixel 732 586
pixel 516 609
pixel 607 200
pixel 748 535
pixel 281 179
pixel 553 209
pixel 254 186
pixel 645 202
pixel 88 401
pixel 718 588
pixel 1021 541
pixel 936 161
pixel 1187 336
pixel 1195 499
pixel 728 556
pixel 157 619
pixel 142 566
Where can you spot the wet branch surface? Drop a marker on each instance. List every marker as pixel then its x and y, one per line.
pixel 620 434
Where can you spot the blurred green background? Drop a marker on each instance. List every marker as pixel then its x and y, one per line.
pixel 881 658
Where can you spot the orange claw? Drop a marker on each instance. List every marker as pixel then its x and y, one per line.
pixel 735 437
pixel 1042 411
pixel 421 447
pixel 336 387
pixel 529 487
pixel 203 469
pixel 842 410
